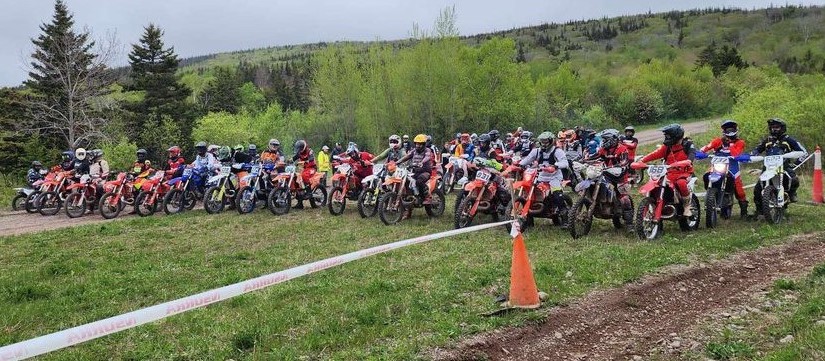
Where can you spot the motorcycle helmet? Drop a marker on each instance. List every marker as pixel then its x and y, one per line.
pixel 629 129
pixel 201 148
pixel 429 141
pixel 484 140
pixel 224 153
pixel 420 141
pixel 80 154
pixel 494 135
pixel 141 155
pixel 300 146
pixel 253 149
pixel 474 137
pixel 37 165
pixel 274 143
pixel 673 134
pixel 96 154
pixel 777 127
pixel 395 141
pixel 546 140
pixel 465 138
pixel 730 129
pixel 67 156
pixel 213 148
pixel 238 148
pixel 174 152
pixel 457 136
pixel 526 135
pixel 610 138
pixel 406 137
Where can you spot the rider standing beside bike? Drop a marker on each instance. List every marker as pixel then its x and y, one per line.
pixel 630 142
pixel 730 145
pixel 304 154
pixel 550 160
pixel 421 159
pixel 614 154
pixel 778 143
pixel 675 148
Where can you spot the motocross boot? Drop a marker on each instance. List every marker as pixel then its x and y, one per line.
pixel 687 212
pixel 743 209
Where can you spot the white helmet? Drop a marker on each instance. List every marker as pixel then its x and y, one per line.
pixel 80 154
pixel 395 141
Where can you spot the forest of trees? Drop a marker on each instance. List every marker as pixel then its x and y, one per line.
pixel 598 73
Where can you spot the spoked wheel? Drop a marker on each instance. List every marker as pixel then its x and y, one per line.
pixel 190 199
pixel 318 197
pixel 246 199
pixel 279 201
pixel 580 218
pixel 692 223
pixel 173 202
pixel 108 207
pixel 337 201
pixel 447 182
pixel 18 202
pixel 647 228
pixel 31 205
pixel 75 205
pixel 213 201
pixel 770 205
pixel 437 204
pixel 49 203
pixel 390 208
pixel 463 215
pixel 523 222
pixel 142 206
pixel 367 203
pixel 711 213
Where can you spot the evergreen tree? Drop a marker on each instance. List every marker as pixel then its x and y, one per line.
pixel 164 101
pixel 223 92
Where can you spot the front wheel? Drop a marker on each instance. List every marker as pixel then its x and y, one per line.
pixel 108 209
pixel 246 199
pixel 142 206
pixel 279 201
pixel 18 202
pixel 49 203
pixel 390 208
pixel 213 202
pixel 770 205
pixel 711 213
pixel 463 212
pixel 173 202
pixel 318 197
pixel 31 205
pixel 75 205
pixel 367 203
pixel 337 201
pixel 692 223
pixel 647 227
pixel 580 218
pixel 437 204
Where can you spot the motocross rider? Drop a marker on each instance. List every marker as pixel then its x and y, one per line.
pixel 675 148
pixel 614 154
pixel 141 164
pixel 67 161
pixel 35 173
pixel 524 145
pixel 466 151
pixel 394 152
pixel 205 160
pixel 81 164
pixel 304 154
pixel 487 157
pixel 778 143
pixel 550 160
pixel 273 153
pixel 422 160
pixel 730 145
pixel 174 162
pixel 495 141
pixel 361 162
pixel 252 151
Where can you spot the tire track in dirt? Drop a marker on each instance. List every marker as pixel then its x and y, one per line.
pixel 632 321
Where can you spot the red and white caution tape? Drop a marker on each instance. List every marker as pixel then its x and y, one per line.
pixel 62 339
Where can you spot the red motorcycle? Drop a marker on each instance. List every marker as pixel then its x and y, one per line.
pixel 479 195
pixel 533 199
pixel 151 194
pixel 118 194
pixel 82 196
pixel 345 185
pixel 53 193
pixel 661 201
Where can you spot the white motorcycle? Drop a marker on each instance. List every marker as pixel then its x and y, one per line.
pixel 774 195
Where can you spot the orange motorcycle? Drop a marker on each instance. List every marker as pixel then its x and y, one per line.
pixel 399 197
pixel 118 193
pixel 479 195
pixel 345 185
pixel 82 197
pixel 53 193
pixel 534 199
pixel 151 194
pixel 287 186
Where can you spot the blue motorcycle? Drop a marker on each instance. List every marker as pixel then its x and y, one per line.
pixel 185 190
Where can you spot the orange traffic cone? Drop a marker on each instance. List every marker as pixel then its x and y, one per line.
pixel 523 290
pixel 817 184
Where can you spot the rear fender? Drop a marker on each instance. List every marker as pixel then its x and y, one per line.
pixel 338 177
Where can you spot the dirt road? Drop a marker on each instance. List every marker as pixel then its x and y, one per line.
pixel 654 136
pixel 641 319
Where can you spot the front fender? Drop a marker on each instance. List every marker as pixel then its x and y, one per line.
pixel 174 181
pixel 368 179
pixel 475 184
pixel 767 175
pixel 648 187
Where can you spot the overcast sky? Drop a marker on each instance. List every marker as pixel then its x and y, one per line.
pixel 197 27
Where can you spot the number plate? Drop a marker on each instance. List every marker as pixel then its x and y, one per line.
pixel 290 169
pixel 344 168
pixel 773 161
pixel 484 176
pixel 400 173
pixel 256 170
pixel 720 160
pixel 187 172
pixel 225 170
pixel 656 171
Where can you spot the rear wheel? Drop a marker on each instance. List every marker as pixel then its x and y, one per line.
pixel 49 203
pixel 437 204
pixel 367 203
pixel 647 228
pixel 190 198
pixel 108 209
pixel 463 216
pixel 18 202
pixel 279 201
pixel 318 197
pixel 580 218
pixel 711 214
pixel 142 206
pixel 692 223
pixel 173 202
pixel 213 202
pixel 75 204
pixel 770 205
pixel 390 209
pixel 337 201
pixel 31 205
pixel 246 199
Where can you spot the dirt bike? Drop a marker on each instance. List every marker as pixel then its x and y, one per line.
pixel 399 197
pixel 453 172
pixel 118 194
pixel 345 185
pixel 661 201
pixel 152 192
pixel 53 193
pixel 19 201
pixel 185 190
pixel 286 187
pixel 220 191
pixel 636 176
pixel 82 196
pixel 256 185
pixel 479 195
pixel 533 199
pixel 371 190
pixel 598 198
pixel 775 198
pixel 720 190
pixel 37 188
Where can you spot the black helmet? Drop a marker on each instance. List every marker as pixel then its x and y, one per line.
pixel 485 140
pixel 730 129
pixel 494 134
pixel 67 155
pixel 300 146
pixel 782 127
pixel 673 134
pixel 201 147
pixel 141 155
pixel 630 128
pixel 610 138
